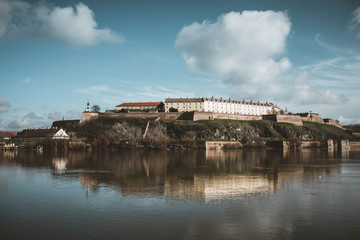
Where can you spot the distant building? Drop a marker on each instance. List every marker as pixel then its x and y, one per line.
pixel 7 135
pixel 49 133
pixel 219 105
pixel 138 106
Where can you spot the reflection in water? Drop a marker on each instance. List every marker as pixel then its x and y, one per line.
pixel 262 194
pixel 60 164
pixel 183 176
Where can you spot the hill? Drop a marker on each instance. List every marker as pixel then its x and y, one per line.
pixel 129 132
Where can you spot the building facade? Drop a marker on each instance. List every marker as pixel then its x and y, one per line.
pixel 219 105
pixel 138 106
pixel 184 104
pixel 43 133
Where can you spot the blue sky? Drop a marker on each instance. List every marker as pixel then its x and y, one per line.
pixel 56 55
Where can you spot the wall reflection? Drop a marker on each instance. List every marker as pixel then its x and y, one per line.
pixel 182 175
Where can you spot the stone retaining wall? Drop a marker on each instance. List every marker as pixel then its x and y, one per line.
pixel 312 117
pixel 86 116
pixel 293 119
pixel 210 116
pixel 218 145
pixel 354 145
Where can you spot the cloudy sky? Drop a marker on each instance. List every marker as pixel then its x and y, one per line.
pixel 56 55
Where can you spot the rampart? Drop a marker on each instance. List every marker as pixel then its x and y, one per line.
pixel 210 116
pixel 193 116
pixel 330 144
pixel 142 115
pixel 197 116
pixel 86 116
pixel 293 119
pixel 311 117
pixel 332 122
pixel 217 145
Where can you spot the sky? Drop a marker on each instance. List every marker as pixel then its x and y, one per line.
pixel 57 55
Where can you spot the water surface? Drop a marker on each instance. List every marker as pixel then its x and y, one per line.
pixel 259 194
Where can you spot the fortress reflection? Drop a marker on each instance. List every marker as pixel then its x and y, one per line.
pixel 182 176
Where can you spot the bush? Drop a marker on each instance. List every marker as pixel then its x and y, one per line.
pixel 157 137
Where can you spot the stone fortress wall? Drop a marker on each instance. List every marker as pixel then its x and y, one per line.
pixel 295 119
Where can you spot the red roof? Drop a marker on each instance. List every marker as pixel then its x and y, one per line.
pixel 8 134
pixel 139 104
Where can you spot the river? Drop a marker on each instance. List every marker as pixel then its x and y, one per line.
pixel 244 194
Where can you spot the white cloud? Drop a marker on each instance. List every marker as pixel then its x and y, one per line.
pixel 246 50
pixel 75 26
pixel 29 120
pixel 20 124
pixel 242 47
pixel 354 24
pixel 99 89
pixel 4 105
pixel 347 121
pixel 73 114
pixel 54 115
pixel 26 80
pixel 296 89
pixel 32 115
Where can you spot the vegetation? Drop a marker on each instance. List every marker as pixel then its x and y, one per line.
pixel 173 109
pixel 95 108
pixel 325 131
pixel 353 127
pixel 161 107
pixel 130 132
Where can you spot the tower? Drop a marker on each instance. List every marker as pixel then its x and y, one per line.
pixel 87 107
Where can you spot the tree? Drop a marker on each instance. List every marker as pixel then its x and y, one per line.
pixel 123 110
pixel 161 107
pixel 95 108
pixel 173 110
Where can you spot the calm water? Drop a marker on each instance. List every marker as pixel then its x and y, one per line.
pixel 312 194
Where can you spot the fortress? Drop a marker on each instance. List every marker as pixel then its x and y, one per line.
pixel 220 105
pixel 204 108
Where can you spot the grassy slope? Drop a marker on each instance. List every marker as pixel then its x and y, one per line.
pixel 230 129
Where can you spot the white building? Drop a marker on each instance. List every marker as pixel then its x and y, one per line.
pixel 217 105
pixel 61 134
pixel 184 104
